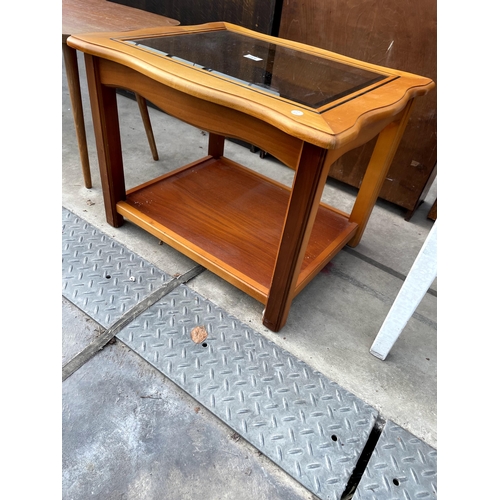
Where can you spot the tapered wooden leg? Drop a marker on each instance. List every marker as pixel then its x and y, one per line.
pixel 310 178
pixel 75 94
pixel 108 143
pixel 376 172
pixel 216 145
pixel 143 107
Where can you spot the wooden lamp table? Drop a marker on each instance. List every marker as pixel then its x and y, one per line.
pixel 304 105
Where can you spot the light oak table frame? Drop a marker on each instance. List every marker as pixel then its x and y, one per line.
pixel 263 237
pixel 84 16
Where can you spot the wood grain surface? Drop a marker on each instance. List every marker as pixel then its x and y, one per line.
pixel 394 34
pixel 87 16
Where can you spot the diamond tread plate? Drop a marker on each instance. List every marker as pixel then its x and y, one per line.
pixel 401 467
pixel 305 423
pixel 100 276
pixel 308 425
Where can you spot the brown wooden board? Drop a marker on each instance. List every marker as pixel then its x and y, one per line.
pixel 257 15
pixel 241 229
pixel 393 34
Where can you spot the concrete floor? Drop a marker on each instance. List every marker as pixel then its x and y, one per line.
pixel 331 327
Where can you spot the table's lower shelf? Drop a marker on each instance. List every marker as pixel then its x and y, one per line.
pixel 229 219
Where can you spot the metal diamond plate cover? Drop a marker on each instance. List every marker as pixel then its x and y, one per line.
pixel 305 423
pixel 401 467
pixel 99 275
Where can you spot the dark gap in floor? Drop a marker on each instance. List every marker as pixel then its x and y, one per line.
pixel 363 460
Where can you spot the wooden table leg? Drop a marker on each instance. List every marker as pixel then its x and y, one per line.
pixel 216 145
pixel 310 178
pixel 73 77
pixel 143 108
pixel 376 172
pixel 107 134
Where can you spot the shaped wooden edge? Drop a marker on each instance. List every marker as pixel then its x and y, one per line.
pixel 331 129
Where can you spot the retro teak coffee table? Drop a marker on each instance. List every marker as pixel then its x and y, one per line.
pixel 303 105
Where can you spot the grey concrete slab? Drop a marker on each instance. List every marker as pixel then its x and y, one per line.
pixel 78 330
pixel 388 238
pixel 335 319
pixel 130 433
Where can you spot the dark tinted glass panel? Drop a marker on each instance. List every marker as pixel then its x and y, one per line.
pixel 303 78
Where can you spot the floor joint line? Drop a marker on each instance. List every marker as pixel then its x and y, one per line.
pixel 382 267
pixel 365 456
pixel 100 342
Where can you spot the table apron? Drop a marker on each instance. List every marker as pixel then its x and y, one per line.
pixel 228 122
pixel 203 114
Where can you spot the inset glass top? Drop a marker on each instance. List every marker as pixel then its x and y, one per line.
pixel 278 70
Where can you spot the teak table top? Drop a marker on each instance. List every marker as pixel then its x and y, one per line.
pixel 329 129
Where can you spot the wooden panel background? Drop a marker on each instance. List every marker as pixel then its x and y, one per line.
pixel 392 33
pixel 258 15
